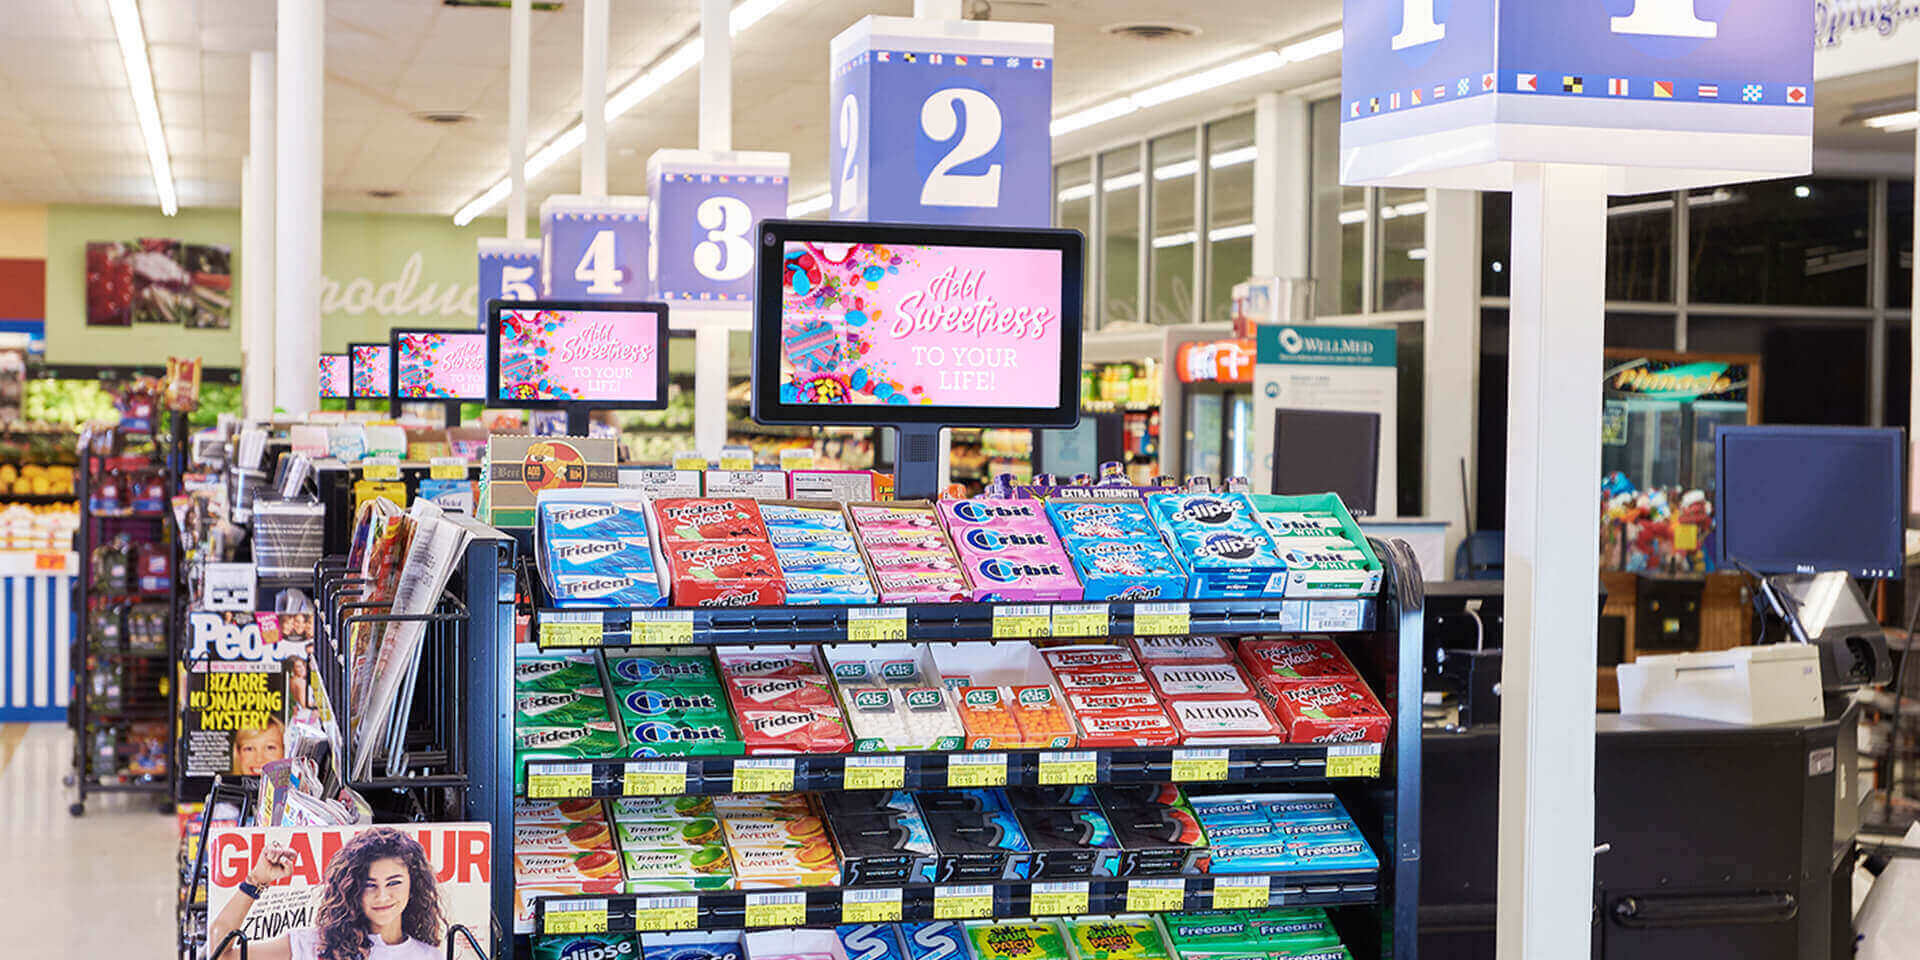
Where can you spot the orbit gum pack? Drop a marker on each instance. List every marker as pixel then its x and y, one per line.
pixel 1116 550
pixel 1009 551
pixel 1220 541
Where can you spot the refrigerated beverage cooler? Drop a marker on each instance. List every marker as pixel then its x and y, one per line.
pixel 1216 405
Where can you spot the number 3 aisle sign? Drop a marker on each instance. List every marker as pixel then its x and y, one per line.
pixel 705 203
pixel 974 99
pixel 594 248
pixel 509 270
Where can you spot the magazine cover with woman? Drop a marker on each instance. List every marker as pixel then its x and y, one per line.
pixel 349 893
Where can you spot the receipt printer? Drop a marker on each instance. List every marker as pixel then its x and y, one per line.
pixel 1778 683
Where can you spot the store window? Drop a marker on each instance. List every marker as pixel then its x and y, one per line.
pixel 1795 242
pixel 1120 240
pixel 1641 331
pixel 1073 201
pixel 1640 248
pixel 1813 371
pixel 1174 236
pixel 1900 243
pixel 1496 244
pixel 1403 250
pixel 1230 154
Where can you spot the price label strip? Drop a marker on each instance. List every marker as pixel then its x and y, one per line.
pixel 654 778
pixel 662 627
pixel 571 629
pixel 962 903
pixel 1199 766
pixel 876 624
pixel 977 770
pixel 1058 899
pixel 875 773
pixel 665 913
pixel 763 776
pixel 1080 620
pixel 776 910
pixel 1021 622
pixel 1329 616
pixel 1241 893
pixel 1068 769
pixel 564 781
pixel 447 468
pixel 1354 760
pixel 1156 896
pixel 870 906
pixel 1162 620
pixel 380 468
pixel 575 916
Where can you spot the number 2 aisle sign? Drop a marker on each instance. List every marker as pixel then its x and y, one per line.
pixel 705 204
pixel 974 99
pixel 509 270
pixel 594 248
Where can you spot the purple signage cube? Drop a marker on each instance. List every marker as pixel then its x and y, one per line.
pixel 594 248
pixel 509 270
pixel 705 204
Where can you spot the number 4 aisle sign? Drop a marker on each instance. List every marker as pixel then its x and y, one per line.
pixel 509 270
pixel 974 99
pixel 705 203
pixel 594 248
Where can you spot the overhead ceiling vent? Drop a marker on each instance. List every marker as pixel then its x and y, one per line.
pixel 442 118
pixel 544 5
pixel 383 194
pixel 1152 31
pixel 1020 9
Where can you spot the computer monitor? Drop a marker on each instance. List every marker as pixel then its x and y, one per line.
pixel 581 354
pixel 446 365
pixel 336 381
pixel 1321 451
pixel 1081 448
pixel 1811 499
pixel 370 365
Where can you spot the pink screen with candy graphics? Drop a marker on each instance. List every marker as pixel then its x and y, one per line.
pixel 915 324
pixel 443 366
pixel 333 375
pixel 370 371
pixel 579 355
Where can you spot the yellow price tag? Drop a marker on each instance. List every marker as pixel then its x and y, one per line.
pixel 1356 760
pixel 1080 620
pixel 575 916
pixel 447 468
pixel 762 776
pixel 1162 619
pixel 1241 893
pixel 1156 896
pixel 656 778
pixel 586 631
pixel 977 770
pixel 870 906
pixel 876 624
pixel 1199 766
pixel 1021 622
pixel 736 464
pixel 662 627
pixel 689 461
pixel 776 910
pixel 1058 899
pixel 560 782
pixel 962 903
pixel 875 773
pixel 665 913
pixel 380 468
pixel 1068 769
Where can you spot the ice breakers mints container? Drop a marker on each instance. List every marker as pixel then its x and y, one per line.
pixel 1218 538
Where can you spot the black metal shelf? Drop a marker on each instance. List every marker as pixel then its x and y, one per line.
pixel 676 776
pixel 830 906
pixel 622 627
pixel 37 498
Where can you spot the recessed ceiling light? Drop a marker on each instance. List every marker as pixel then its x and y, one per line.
pixel 1151 31
pixel 383 194
pixel 444 118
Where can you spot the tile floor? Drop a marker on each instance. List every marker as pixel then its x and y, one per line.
pixel 101 885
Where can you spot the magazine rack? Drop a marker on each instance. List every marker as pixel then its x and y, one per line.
pixel 334 482
pixel 193 909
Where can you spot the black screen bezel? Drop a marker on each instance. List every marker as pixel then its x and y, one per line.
pixel 493 398
pixel 774 235
pixel 353 361
pixel 348 357
pixel 1894 439
pixel 393 362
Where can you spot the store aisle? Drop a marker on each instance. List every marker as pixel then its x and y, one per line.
pixel 101 885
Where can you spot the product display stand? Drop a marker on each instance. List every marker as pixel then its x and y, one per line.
pixel 1375 910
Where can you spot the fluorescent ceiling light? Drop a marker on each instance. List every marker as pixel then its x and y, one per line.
pixel 1172 171
pixel 1099 113
pixel 682 59
pixel 1233 72
pixel 1217 234
pixel 1417 253
pixel 133 53
pixel 1894 122
pixel 814 204
pixel 1350 217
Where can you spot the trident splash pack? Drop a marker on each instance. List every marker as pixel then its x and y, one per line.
pixel 1218 538
pixel 1009 550
pixel 1116 550
pixel 718 554
pixel 595 549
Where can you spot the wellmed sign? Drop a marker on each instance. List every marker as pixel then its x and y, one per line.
pixel 1351 346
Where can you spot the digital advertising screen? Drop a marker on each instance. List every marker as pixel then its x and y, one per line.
pixel 334 382
pixel 971 325
pixel 600 355
pixel 439 365
pixel 369 366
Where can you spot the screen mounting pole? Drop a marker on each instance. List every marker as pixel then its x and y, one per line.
pixel 916 461
pixel 578 418
pixel 453 413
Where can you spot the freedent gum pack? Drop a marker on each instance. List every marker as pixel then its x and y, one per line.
pixel 596 549
pixel 1218 538
pixel 1116 550
pixel 1009 551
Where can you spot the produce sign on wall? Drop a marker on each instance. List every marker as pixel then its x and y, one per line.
pixel 155 280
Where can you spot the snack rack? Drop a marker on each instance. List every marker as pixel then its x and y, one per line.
pixel 1379 784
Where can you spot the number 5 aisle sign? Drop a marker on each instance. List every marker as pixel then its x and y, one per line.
pixel 975 101
pixel 1666 93
pixel 594 248
pixel 705 203
pixel 509 270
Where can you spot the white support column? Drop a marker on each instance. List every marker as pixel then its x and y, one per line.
pixel 256 243
pixel 1282 201
pixel 1545 889
pixel 519 56
pixel 593 99
pixel 299 94
pixel 710 367
pixel 1452 359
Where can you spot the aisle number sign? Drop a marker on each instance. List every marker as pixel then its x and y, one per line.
pixel 594 248
pixel 509 270
pixel 704 206
pixel 974 100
